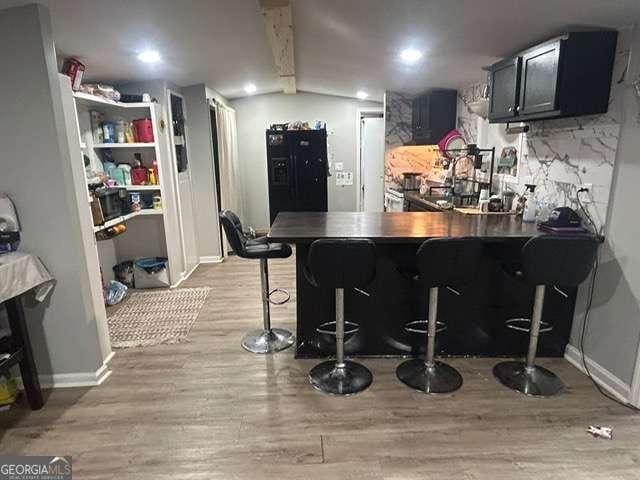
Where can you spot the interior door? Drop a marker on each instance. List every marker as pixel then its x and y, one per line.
pixel 372 164
pixel 539 79
pixel 309 150
pixel 504 78
pixel 183 176
pixel 216 167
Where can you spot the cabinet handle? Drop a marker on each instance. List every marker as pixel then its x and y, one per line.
pixel 511 109
pixel 518 108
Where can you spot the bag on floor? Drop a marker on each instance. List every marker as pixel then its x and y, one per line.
pixel 116 292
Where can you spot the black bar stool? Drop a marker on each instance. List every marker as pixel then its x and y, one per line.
pixel 547 260
pixel 267 339
pixel 341 264
pixel 442 262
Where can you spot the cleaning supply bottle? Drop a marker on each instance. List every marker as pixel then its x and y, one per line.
pixel 154 165
pixel 529 214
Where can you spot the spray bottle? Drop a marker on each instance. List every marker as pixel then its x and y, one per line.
pixel 529 214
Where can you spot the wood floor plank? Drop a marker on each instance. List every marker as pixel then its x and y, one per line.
pixel 206 409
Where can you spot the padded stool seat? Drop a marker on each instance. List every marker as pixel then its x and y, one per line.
pixel 547 260
pixel 267 339
pixel 340 264
pixel 442 262
pixel 253 249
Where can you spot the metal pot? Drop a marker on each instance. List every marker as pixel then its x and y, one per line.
pixel 411 181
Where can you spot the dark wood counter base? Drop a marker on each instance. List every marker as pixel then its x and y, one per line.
pixel 475 320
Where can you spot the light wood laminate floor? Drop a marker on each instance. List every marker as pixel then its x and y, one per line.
pixel 206 409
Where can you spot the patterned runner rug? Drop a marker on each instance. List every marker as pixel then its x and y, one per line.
pixel 154 317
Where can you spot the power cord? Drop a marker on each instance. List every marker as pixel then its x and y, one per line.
pixel 585 322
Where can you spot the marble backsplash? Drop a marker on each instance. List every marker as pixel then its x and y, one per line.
pixel 399 157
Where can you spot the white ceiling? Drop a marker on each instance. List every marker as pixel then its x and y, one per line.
pixel 340 46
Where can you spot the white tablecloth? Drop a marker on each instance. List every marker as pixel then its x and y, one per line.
pixel 21 272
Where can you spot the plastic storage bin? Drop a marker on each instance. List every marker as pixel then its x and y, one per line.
pixel 151 272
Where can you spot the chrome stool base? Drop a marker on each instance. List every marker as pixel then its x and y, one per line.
pixel 267 341
pixel 349 379
pixel 440 378
pixel 536 381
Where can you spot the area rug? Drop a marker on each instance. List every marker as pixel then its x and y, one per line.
pixel 156 317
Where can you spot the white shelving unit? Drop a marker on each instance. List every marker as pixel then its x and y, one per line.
pixel 149 231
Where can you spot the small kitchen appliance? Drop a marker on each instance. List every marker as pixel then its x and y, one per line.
pixel 9 225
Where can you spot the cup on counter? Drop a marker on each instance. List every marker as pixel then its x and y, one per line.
pixel 483 205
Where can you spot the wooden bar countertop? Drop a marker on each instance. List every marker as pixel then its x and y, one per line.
pixel 395 227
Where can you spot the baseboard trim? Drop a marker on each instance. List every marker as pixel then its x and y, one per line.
pixel 73 380
pixel 109 358
pixel 211 259
pixel 601 375
pixel 185 276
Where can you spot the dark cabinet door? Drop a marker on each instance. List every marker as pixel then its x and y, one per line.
pixel 420 117
pixel 309 152
pixel 539 79
pixel 442 111
pixel 504 78
pixel 434 115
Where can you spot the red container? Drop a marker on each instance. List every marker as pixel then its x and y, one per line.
pixel 74 69
pixel 143 130
pixel 139 175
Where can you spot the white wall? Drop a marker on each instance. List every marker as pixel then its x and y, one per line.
pixel 255 114
pixel 41 169
pixel 613 331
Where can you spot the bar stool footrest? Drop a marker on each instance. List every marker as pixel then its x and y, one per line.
pixel 415 326
pixel 524 325
pixel 441 378
pixel 535 382
pixel 349 328
pixel 348 379
pixel 267 341
pixel 280 291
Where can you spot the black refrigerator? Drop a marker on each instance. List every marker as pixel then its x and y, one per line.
pixel 298 170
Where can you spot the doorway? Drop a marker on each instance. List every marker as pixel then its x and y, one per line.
pixel 371 161
pixel 216 168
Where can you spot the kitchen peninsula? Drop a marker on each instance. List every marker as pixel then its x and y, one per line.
pixel 473 317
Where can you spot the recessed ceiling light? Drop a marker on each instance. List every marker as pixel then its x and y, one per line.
pixel 149 56
pixel 410 55
pixel 250 88
pixel 362 95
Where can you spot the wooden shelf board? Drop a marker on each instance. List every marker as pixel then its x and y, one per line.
pixel 124 145
pixel 124 218
pixel 142 187
pixel 96 100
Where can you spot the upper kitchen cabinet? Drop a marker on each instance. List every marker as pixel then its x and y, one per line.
pixel 504 78
pixel 567 76
pixel 433 115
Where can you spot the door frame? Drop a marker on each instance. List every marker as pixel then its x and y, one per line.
pixel 174 170
pixel 360 114
pixel 215 167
